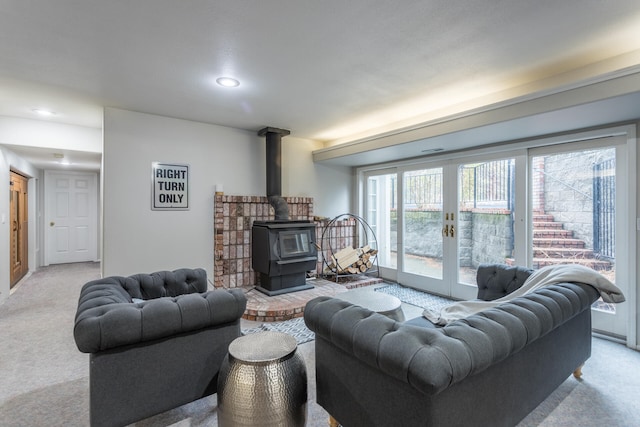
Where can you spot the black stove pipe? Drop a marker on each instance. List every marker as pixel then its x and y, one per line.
pixel 274 170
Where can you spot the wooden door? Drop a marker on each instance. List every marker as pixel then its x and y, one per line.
pixel 19 228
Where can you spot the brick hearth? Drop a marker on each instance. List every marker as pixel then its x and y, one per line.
pixel 263 308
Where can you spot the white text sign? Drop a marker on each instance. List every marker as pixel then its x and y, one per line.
pixel 170 186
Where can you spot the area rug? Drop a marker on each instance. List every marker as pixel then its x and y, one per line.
pixel 302 334
pixel 294 327
pixel 415 297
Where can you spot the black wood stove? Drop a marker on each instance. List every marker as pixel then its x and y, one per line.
pixel 283 250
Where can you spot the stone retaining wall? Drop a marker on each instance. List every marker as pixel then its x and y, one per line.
pixel 484 235
pixel 568 190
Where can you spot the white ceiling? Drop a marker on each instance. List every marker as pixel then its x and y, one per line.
pixel 334 71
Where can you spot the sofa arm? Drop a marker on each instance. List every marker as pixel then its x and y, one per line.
pixel 498 280
pixel 117 324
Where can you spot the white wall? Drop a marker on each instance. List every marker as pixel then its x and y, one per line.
pixel 137 239
pixel 330 186
pixel 39 133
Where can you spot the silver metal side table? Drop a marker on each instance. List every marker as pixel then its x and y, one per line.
pixel 262 382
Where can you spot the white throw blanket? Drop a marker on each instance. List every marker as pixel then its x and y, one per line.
pixel 545 276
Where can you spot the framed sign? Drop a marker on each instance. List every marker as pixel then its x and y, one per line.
pixel 169 186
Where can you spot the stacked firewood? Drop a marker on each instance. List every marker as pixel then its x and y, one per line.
pixel 351 261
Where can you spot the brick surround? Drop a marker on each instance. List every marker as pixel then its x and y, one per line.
pixel 233 219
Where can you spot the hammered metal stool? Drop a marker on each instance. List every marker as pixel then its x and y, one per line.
pixel 381 303
pixel 262 382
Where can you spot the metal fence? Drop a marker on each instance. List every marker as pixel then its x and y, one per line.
pixel 604 208
pixel 423 189
pixel 482 185
pixel 492 184
pixel 488 185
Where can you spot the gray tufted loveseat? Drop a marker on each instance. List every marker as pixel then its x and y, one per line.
pixel 489 369
pixel 156 341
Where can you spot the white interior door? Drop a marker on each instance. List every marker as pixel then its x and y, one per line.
pixel 70 217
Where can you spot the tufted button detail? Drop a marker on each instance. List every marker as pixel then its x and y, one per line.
pixel 497 280
pixel 176 302
pixel 432 359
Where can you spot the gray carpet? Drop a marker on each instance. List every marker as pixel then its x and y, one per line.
pixel 44 378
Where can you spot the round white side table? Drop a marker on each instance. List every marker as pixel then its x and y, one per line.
pixel 381 303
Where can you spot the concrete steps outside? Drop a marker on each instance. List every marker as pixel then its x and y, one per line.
pixel 553 245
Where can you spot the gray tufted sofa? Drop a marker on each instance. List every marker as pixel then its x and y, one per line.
pixel 156 341
pixel 490 369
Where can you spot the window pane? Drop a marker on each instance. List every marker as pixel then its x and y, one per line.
pixel 574 211
pixel 423 222
pixel 381 216
pixel 485 215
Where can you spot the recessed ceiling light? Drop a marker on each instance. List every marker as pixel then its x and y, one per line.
pixel 44 113
pixel 227 82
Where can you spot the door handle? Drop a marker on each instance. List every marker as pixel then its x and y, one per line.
pixel 453 231
pixel 51 224
pixel 15 225
pixel 445 231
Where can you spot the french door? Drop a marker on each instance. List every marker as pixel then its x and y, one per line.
pixel 425 253
pixel 437 221
pixel 457 215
